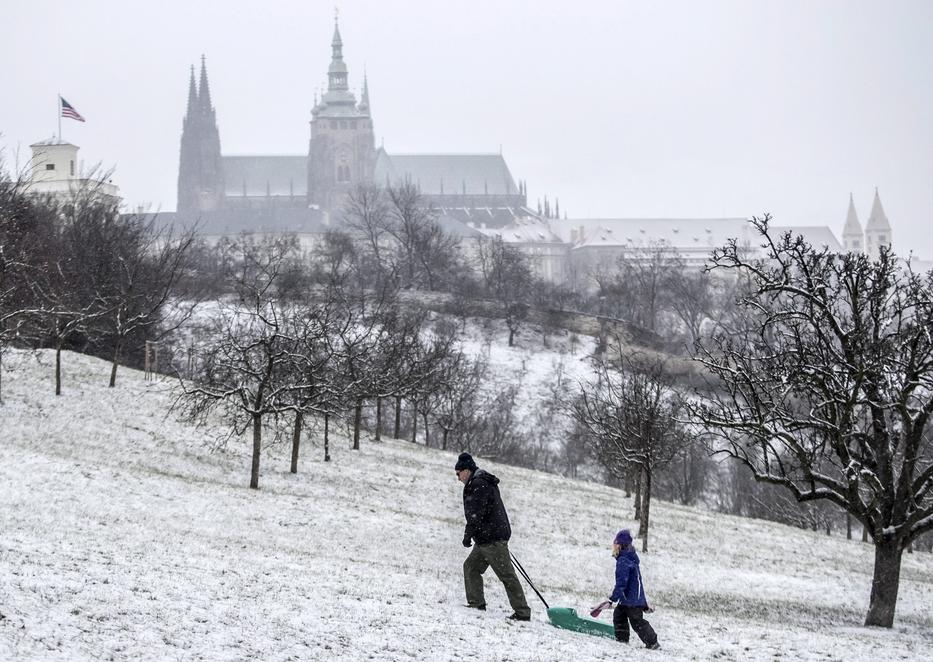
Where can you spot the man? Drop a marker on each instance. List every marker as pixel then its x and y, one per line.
pixel 487 524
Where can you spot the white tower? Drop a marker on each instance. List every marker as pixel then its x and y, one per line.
pixel 54 170
pixel 877 229
pixel 853 238
pixel 53 160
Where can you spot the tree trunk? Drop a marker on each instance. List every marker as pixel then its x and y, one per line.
pixel 357 418
pixel 511 337
pixel 116 361
pixel 296 440
pixel 646 511
pixel 257 445
pixel 638 496
pixel 326 437
pixel 58 369
pixel 414 425
pixel 427 439
pixel 864 533
pixel 378 419
pixel 884 584
pixel 398 418
pixel 848 526
pixel 444 442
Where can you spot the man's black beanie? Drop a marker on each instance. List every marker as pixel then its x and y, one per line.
pixel 465 461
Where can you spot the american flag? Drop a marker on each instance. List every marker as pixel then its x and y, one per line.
pixel 69 111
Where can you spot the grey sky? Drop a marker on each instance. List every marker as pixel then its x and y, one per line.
pixel 625 109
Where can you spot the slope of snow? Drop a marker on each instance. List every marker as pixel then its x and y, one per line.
pixel 124 537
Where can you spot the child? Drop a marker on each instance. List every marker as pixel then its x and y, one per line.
pixel 629 593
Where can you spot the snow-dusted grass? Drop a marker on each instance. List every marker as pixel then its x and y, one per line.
pixel 125 538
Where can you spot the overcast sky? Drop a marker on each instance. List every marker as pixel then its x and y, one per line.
pixel 619 109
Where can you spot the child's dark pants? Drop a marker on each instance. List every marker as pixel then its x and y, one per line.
pixel 621 618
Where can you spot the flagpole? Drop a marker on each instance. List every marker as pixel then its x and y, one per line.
pixel 59 116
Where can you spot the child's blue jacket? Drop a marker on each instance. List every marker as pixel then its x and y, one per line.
pixel 629 590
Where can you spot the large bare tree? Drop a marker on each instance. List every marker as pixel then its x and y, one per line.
pixel 826 389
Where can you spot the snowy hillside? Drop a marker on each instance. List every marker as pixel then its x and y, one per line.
pixel 124 537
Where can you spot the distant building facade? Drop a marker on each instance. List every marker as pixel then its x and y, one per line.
pixel 474 195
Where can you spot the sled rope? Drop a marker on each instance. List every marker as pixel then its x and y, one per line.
pixel 524 574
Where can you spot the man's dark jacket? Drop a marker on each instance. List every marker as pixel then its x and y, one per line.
pixel 486 519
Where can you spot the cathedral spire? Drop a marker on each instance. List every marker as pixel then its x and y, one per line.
pixel 200 169
pixel 877 229
pixel 192 97
pixel 204 92
pixel 877 220
pixel 364 97
pixel 337 72
pixel 336 43
pixel 852 235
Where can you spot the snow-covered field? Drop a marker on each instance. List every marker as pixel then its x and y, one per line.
pixel 124 537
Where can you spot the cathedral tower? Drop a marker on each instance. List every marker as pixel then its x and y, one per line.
pixel 852 235
pixel 877 229
pixel 342 150
pixel 200 172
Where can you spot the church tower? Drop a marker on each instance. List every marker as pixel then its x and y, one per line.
pixel 877 229
pixel 342 150
pixel 200 172
pixel 852 235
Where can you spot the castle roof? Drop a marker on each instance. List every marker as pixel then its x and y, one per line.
pixel 231 222
pixel 525 230
pixel 48 142
pixel 689 235
pixel 259 175
pixel 447 174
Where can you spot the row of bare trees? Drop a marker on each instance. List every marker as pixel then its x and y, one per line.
pixel 75 272
pixel 654 287
pixel 273 356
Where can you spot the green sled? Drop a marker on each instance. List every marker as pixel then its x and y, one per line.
pixel 567 619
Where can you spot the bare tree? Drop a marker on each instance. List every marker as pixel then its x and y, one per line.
pixel 692 299
pixel 149 263
pixel 314 386
pixel 459 405
pixel 244 372
pixel 640 286
pixel 367 217
pixel 507 278
pixel 69 288
pixel 426 254
pixel 631 411
pixel 827 390
pixel 27 233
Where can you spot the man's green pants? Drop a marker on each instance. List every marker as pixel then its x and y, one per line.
pixel 495 555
